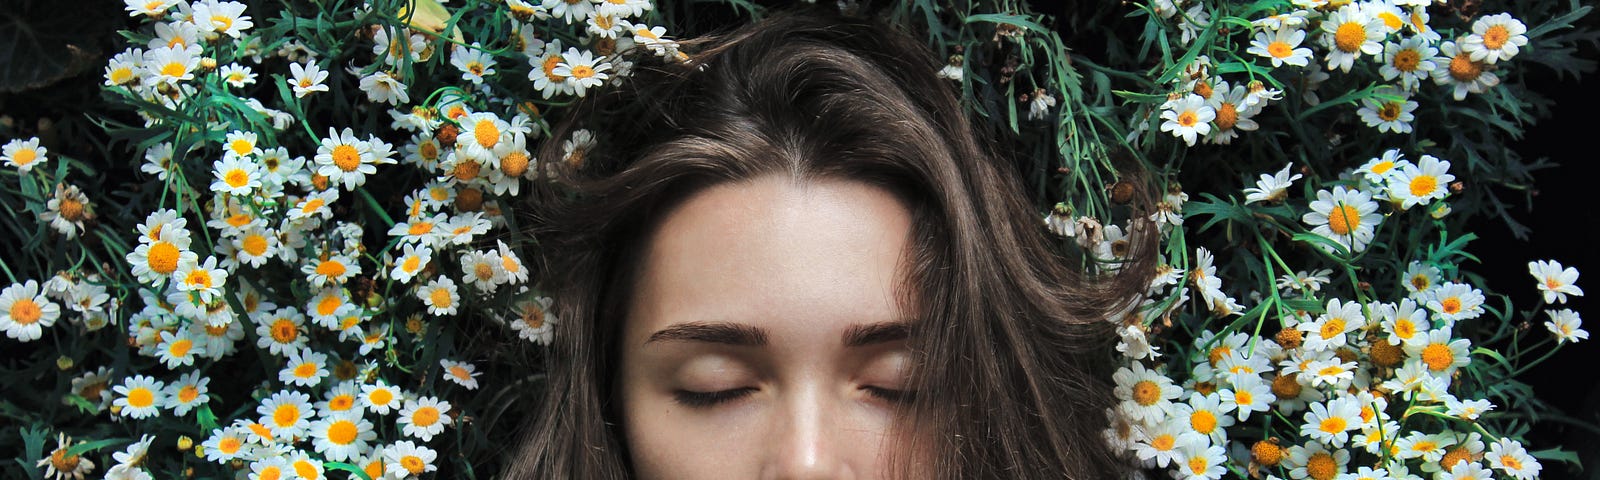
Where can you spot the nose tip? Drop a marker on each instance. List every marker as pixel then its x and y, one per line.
pixel 805 446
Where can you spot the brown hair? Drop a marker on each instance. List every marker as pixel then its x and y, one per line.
pixel 1011 341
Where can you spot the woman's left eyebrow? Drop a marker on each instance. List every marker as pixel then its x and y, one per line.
pixel 875 333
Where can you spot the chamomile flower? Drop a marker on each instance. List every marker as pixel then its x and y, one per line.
pixel 1348 217
pixel 405 459
pixel 23 154
pixel 1315 461
pixel 342 437
pixel 1566 325
pixel 158 161
pixel 59 465
pixel 1555 282
pixel 1188 118
pixel 281 332
pixel 1438 352
pixel 381 397
pixel 329 306
pixel 424 417
pixel 1233 114
pixel 1389 110
pixel 1199 459
pixel 1495 38
pixel 255 246
pixel 95 387
pixel 25 311
pixel 1248 394
pixel 413 259
pixel 481 269
pixel 1158 443
pixel 267 468
pixel 332 271
pixel 1455 301
pixel 1146 395
pixel 480 133
pixel 345 159
pixel 315 206
pixel 149 8
pixel 582 70
pixel 1271 189
pixel 1421 183
pixel 543 74
pixel 304 367
pixel 287 413
pixel 201 281
pixel 1467 409
pixel 236 75
pixel 226 18
pixel 187 392
pixel 1464 74
pixel 1330 422
pixel 1281 47
pixel 1411 60
pixel 305 467
pixel 130 461
pixel 384 88
pixel 1508 456
pixel 440 296
pixel 67 210
pixel 178 349
pixel 654 39
pixel 1404 322
pixel 512 266
pixel 1351 33
pixel 534 321
pixel 171 65
pixel 473 62
pixel 124 68
pixel 343 398
pixel 225 444
pixel 1420 278
pixel 460 373
pixel 306 79
pixel 139 397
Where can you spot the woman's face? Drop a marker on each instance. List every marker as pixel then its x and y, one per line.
pixel 764 339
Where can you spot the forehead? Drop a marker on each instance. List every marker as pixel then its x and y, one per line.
pixel 790 257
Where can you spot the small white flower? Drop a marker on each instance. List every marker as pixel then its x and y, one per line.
pixel 1555 282
pixel 1495 38
pixel 440 296
pixel 1348 217
pixel 1508 456
pixel 1281 47
pixel 405 459
pixel 1188 118
pixel 25 311
pixel 1271 188
pixel 306 79
pixel 1389 110
pixel 582 70
pixel 424 417
pixel 460 373
pixel 23 154
pixel 1566 325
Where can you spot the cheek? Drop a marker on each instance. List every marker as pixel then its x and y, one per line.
pixel 670 441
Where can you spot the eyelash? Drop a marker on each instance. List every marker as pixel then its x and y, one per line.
pixel 694 399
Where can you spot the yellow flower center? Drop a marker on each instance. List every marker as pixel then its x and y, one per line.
pixel 1511 463
pixel 1227 116
pixel 71 209
pixel 514 164
pixel 329 305
pixel 413 464
pixel 254 244
pixel 174 69
pixel 1404 328
pixel 1321 466
pixel 1188 118
pixel 1423 185
pixel 1332 425
pixel 236 178
pixel 374 468
pixel 484 271
pixel 425 416
pixel 1420 282
pixel 180 347
pixel 466 170
pixel 1333 327
pixel 1163 442
pixel 1406 60
pixel 510 265
pixel 229 445
pixel 440 297
pixel 331 268
pixel 460 373
pixel 1350 36
pixel 162 258
pixel 241 146
pixel 1391 20
pixel 419 228
pixel 1343 220
pixel 1243 397
pixel 1463 69
pixel 346 157
pixel 1146 392
pixel 25 156
pixel 1451 305
pixel 381 396
pixel 342 432
pixel 1389 113
pixel 1203 89
pixel 285 416
pixel 341 403
pixel 188 393
pixel 141 397
pixel 305 469
pixel 270 473
pixel 221 22
pixel 1496 37
pixel 305 370
pixel 1203 421
pixel 63 463
pixel 550 64
pixel 412 264
pixel 1438 356
pixel 312 205
pixel 121 75
pixel 486 133
pixel 198 278
pixel 26 312
pixel 284 330
pixel 1280 49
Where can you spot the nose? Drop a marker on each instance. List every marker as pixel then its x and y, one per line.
pixel 805 442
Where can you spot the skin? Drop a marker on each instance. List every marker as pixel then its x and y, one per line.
pixel 781 296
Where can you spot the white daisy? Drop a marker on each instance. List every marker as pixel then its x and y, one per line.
pixel 1411 60
pixel 1495 38
pixel 178 349
pixel 534 321
pixel 1566 325
pixel 481 269
pixel 1145 395
pixel 171 65
pixel 187 392
pixel 202 281
pixel 304 367
pixel 1348 217
pixel 345 159
pixel 473 62
pixel 384 88
pixel 582 70
pixel 236 75
pixel 225 444
pixel 1555 282
pixel 1281 47
pixel 139 397
pixel 332 271
pixel 287 413
pixel 226 18
pixel 329 307
pixel 440 296
pixel 424 417
pixel 25 311
pixel 405 459
pixel 1248 394
pixel 413 259
pixel 1455 301
pixel 1188 118
pixel 1351 33
pixel 23 154
pixel 381 397
pixel 306 79
pixel 460 373
pixel 342 437
pixel 1440 353
pixel 1508 456
pixel 1462 72
pixel 1389 110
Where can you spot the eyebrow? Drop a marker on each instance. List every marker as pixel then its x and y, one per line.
pixel 745 335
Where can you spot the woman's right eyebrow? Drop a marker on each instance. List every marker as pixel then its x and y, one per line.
pixel 723 333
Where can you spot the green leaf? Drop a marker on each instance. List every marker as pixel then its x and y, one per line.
pixel 87 447
pixel 355 472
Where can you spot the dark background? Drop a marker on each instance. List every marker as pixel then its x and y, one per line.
pixel 1562 216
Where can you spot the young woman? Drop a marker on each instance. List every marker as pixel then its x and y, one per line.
pixel 791 257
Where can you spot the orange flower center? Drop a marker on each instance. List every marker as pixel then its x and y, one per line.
pixel 1343 220
pixel 346 157
pixel 1349 37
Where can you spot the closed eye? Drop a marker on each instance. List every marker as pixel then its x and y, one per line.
pixel 693 399
pixel 891 395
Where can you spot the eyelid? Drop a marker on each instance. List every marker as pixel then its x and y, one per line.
pixel 694 399
pixel 894 396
